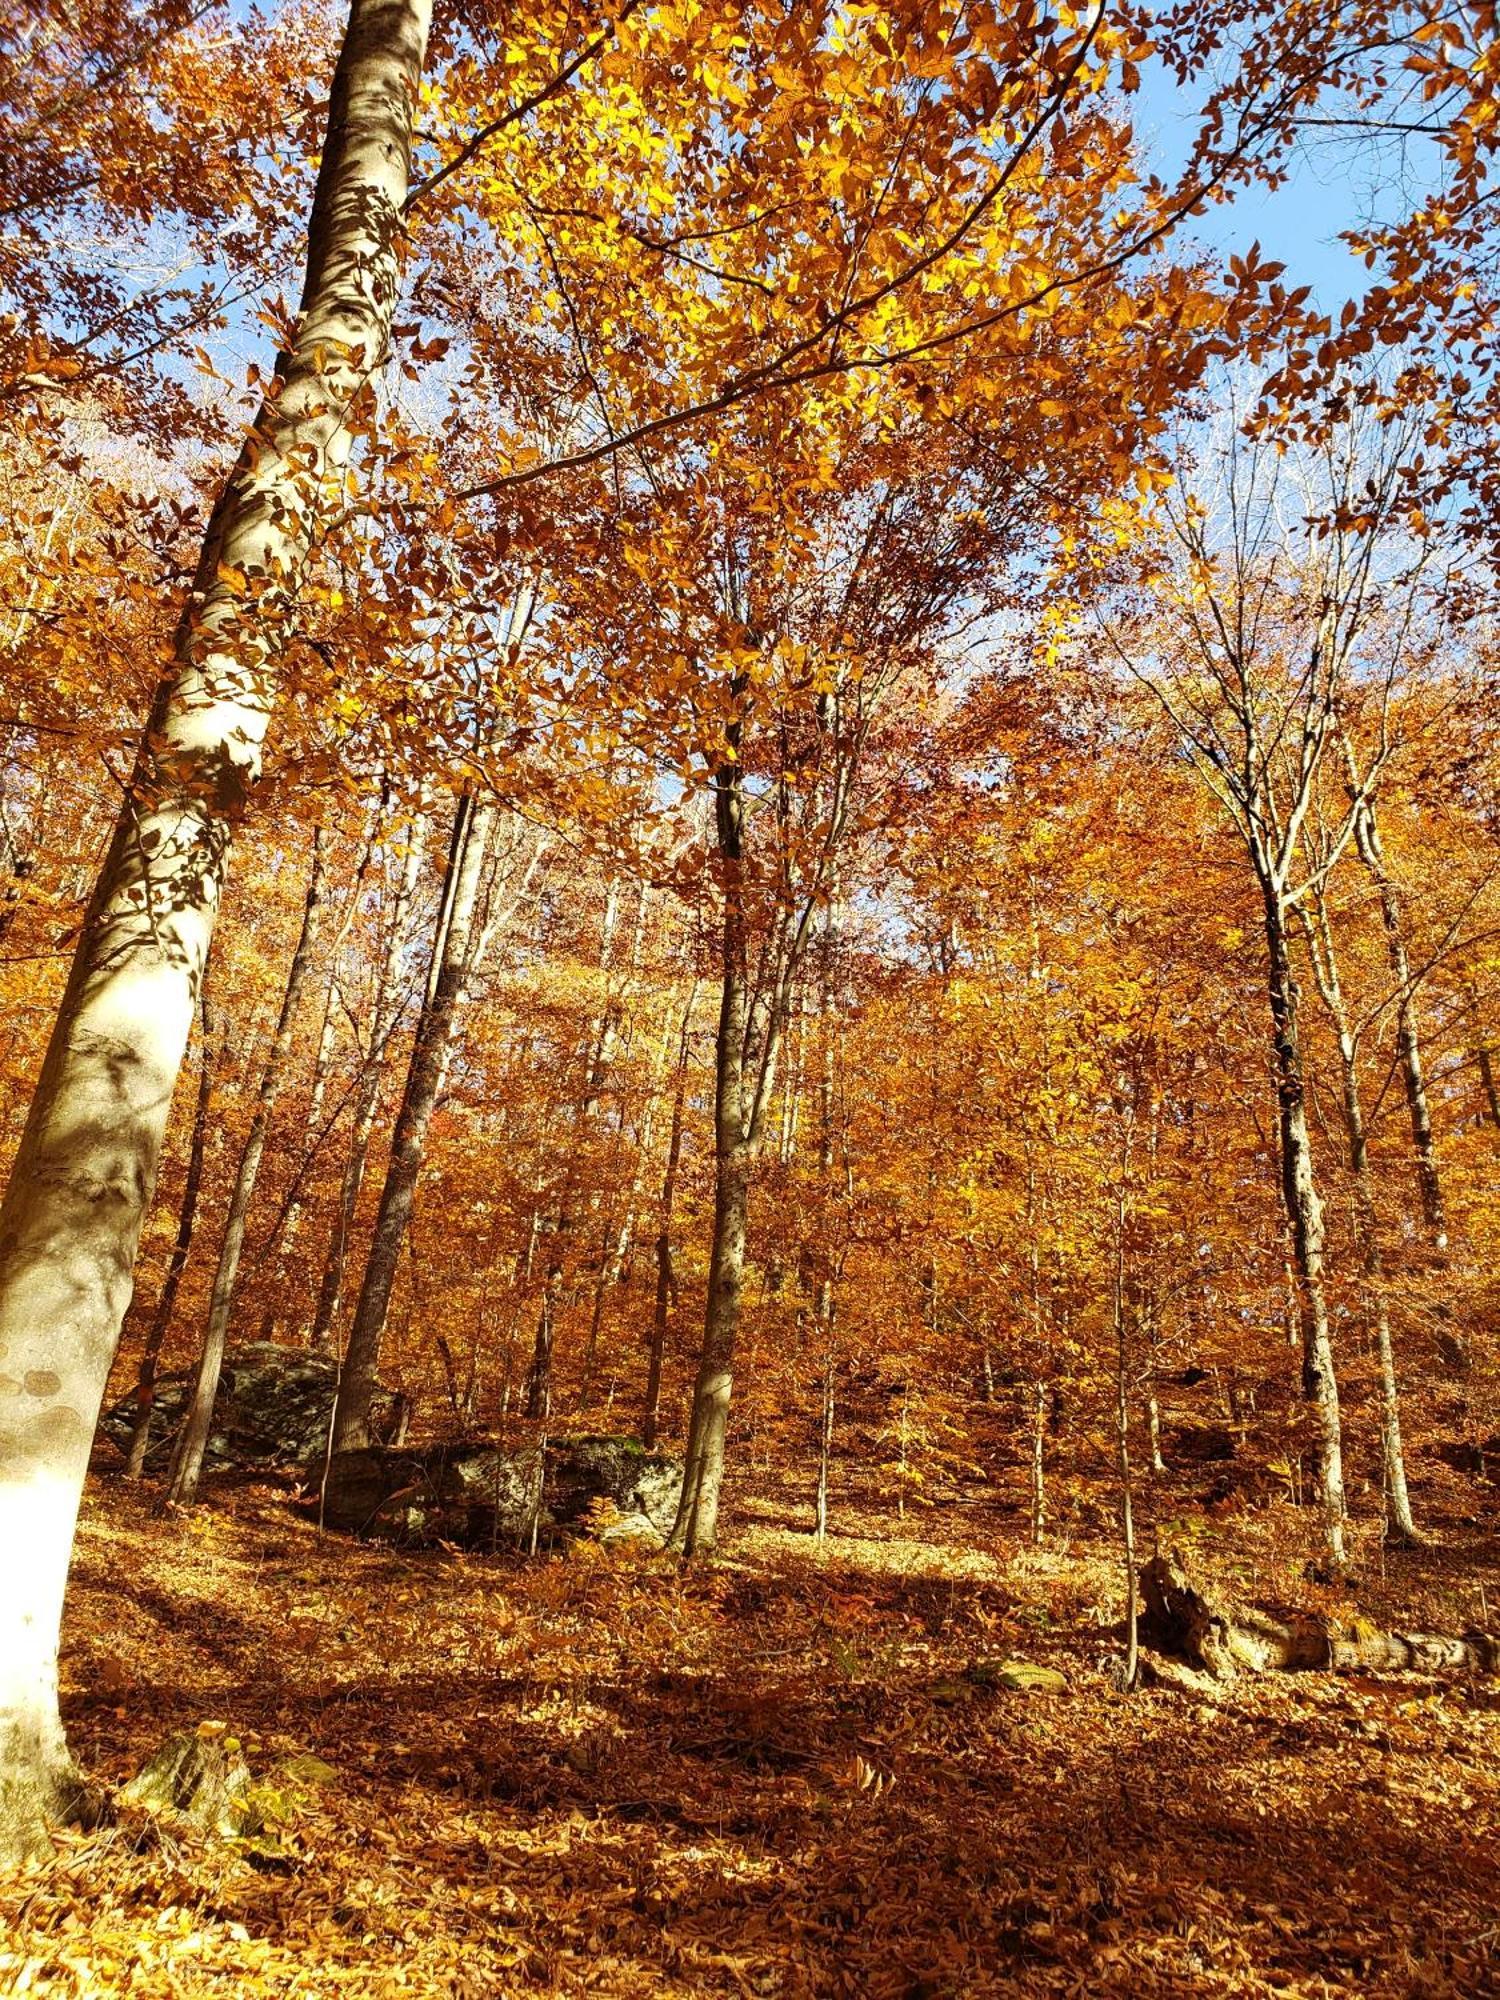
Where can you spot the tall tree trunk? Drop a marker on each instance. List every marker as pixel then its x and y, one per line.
pixel 1304 1213
pixel 192 1439
pixel 425 1076
pixel 187 1217
pixel 1038 1462
pixel 742 1087
pixel 666 1286
pixel 1122 1453
pixel 614 1249
pixel 383 1014
pixel 1325 966
pixel 1487 1081
pixel 825 1449
pixel 87 1161
pixel 1408 1038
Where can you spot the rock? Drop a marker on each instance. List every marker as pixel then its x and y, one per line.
pixel 1023 1676
pixel 476 1494
pixel 470 1493
pixel 273 1410
pixel 632 1530
pixel 583 1470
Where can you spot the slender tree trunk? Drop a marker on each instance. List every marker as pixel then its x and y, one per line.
pixel 825 1449
pixel 539 1374
pixel 187 1217
pixel 1408 1039
pixel 614 1249
pixel 87 1161
pixel 1122 1458
pixel 291 1226
pixel 1038 1462
pixel 1153 1424
pixel 1330 988
pixel 425 1076
pixel 1304 1213
pixel 192 1439
pixel 696 1526
pixel 383 1013
pixel 666 1287
pixel 1487 1081
pixel 603 1033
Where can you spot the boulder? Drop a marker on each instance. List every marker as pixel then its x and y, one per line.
pixel 641 1484
pixel 471 1493
pixel 272 1414
pixel 477 1494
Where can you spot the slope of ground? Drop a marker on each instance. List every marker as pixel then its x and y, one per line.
pixel 787 1774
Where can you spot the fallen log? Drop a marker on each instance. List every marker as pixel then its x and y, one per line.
pixel 1188 1623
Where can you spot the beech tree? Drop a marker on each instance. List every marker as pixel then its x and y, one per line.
pixel 80 1184
pixel 1271 629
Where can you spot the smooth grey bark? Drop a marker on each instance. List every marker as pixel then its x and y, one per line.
pixel 1153 1430
pixel 1304 1214
pixel 187 1217
pixel 71 1219
pixel 187 1454
pixel 385 1007
pixel 1038 1463
pixel 426 1073
pixel 1324 960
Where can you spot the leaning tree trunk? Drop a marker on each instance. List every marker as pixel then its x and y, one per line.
pixel 1304 1213
pixel 83 1174
pixel 192 1439
pixel 187 1217
pixel 425 1076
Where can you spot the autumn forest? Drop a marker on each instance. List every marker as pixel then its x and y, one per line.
pixel 749 998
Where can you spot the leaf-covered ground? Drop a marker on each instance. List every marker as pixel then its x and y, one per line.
pixel 781 1775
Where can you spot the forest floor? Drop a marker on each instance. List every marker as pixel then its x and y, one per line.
pixel 776 1775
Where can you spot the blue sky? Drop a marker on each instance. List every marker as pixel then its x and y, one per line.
pixel 1335 182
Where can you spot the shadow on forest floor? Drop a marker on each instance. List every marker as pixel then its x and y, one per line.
pixel 772 1776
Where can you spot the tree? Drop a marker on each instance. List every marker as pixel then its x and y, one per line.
pixel 1261 633
pixel 82 1178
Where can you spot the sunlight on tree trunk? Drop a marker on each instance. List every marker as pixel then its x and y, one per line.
pixel 87 1162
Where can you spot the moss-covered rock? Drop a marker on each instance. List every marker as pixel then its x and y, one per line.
pixel 476 1494
pixel 272 1413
